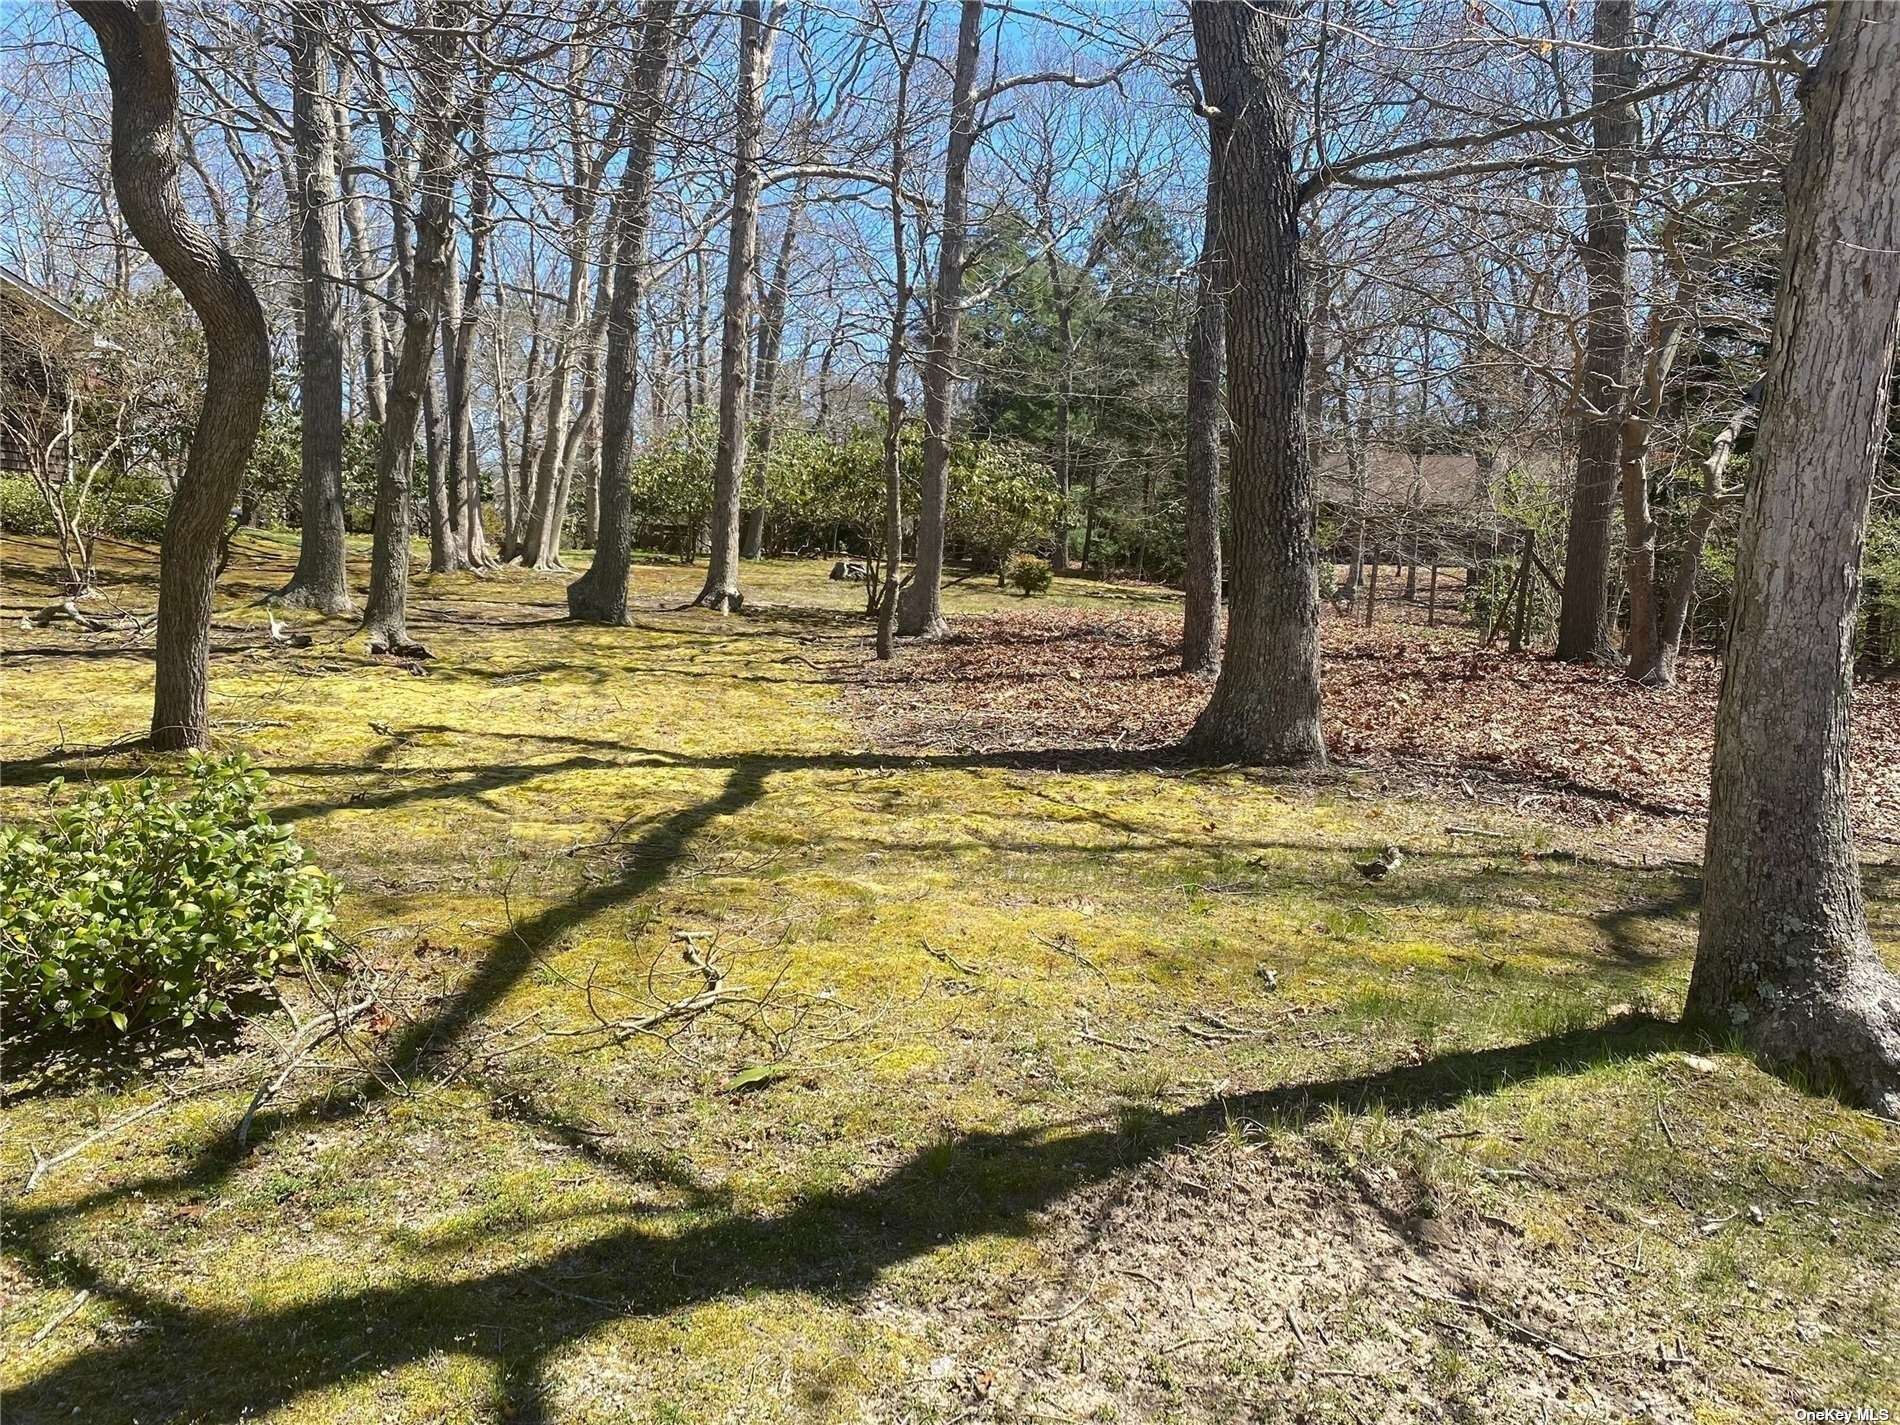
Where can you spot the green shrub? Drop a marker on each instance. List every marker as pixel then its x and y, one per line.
pixel 133 507
pixel 22 511
pixel 148 902
pixel 1029 574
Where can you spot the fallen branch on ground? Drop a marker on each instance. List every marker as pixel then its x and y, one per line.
pixel 300 1047
pixel 43 1166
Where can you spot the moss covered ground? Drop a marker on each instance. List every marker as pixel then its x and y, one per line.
pixel 1035 1059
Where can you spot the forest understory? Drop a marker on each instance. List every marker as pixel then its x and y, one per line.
pixel 732 1033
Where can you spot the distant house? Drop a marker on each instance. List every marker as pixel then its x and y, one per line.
pixel 43 341
pixel 1411 498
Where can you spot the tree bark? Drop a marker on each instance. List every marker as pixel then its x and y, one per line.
pixel 515 544
pixel 765 379
pixel 375 337
pixel 1784 954
pixel 136 48
pixel 547 511
pixel 920 609
pixel 386 615
pixel 1583 619
pixel 721 591
pixel 600 595
pixel 581 454
pixel 1266 701
pixel 320 580
pixel 462 314
pixel 894 403
pixel 1200 624
pixel 445 545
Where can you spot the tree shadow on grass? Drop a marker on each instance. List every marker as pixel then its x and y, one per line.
pixel 204 1365
pixel 1624 926
pixel 507 957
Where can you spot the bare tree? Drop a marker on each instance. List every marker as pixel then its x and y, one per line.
pixel 386 615
pixel 136 48
pixel 319 580
pixel 460 315
pixel 894 403
pixel 765 381
pixel 588 159
pixel 721 590
pixel 1784 953
pixel 1265 703
pixel 1583 623
pixel 1200 622
pixel 920 612
pixel 600 595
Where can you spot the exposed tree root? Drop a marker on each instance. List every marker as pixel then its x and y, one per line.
pixel 387 645
pixel 1845 1035
pixel 301 596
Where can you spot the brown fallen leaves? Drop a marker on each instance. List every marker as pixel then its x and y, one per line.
pixel 1580 741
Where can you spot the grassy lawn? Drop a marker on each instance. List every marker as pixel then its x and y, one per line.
pixel 1055 1086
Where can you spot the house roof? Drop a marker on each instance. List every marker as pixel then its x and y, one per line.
pixel 1397 478
pixel 82 339
pixel 38 298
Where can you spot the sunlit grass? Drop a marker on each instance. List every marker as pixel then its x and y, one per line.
pixel 607 1234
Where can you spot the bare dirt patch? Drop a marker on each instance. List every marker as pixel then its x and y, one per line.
pixel 1255 1280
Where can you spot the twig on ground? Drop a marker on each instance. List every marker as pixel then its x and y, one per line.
pixel 60 1318
pixel 42 1166
pixel 1210 1028
pixel 1092 1037
pixel 1065 947
pixel 952 961
pixel 1516 1328
pixel 1062 1315
pixel 300 1048
pixel 1862 1166
pixel 1662 1122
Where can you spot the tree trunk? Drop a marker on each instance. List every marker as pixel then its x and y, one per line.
pixel 1265 704
pixel 1675 616
pixel 504 462
pixel 454 451
pixel 1784 954
pixel 1065 403
pixel 1200 624
pixel 136 48
pixel 319 580
pixel 515 541
pixel 458 348
pixel 920 610
pixel 721 590
pixel 765 379
pixel 581 454
pixel 1583 621
pixel 386 616
pixel 553 476
pixel 375 337
pixel 894 403
pixel 600 595
pixel 445 549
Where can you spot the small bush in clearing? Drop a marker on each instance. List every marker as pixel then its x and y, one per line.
pixel 153 901
pixel 1029 575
